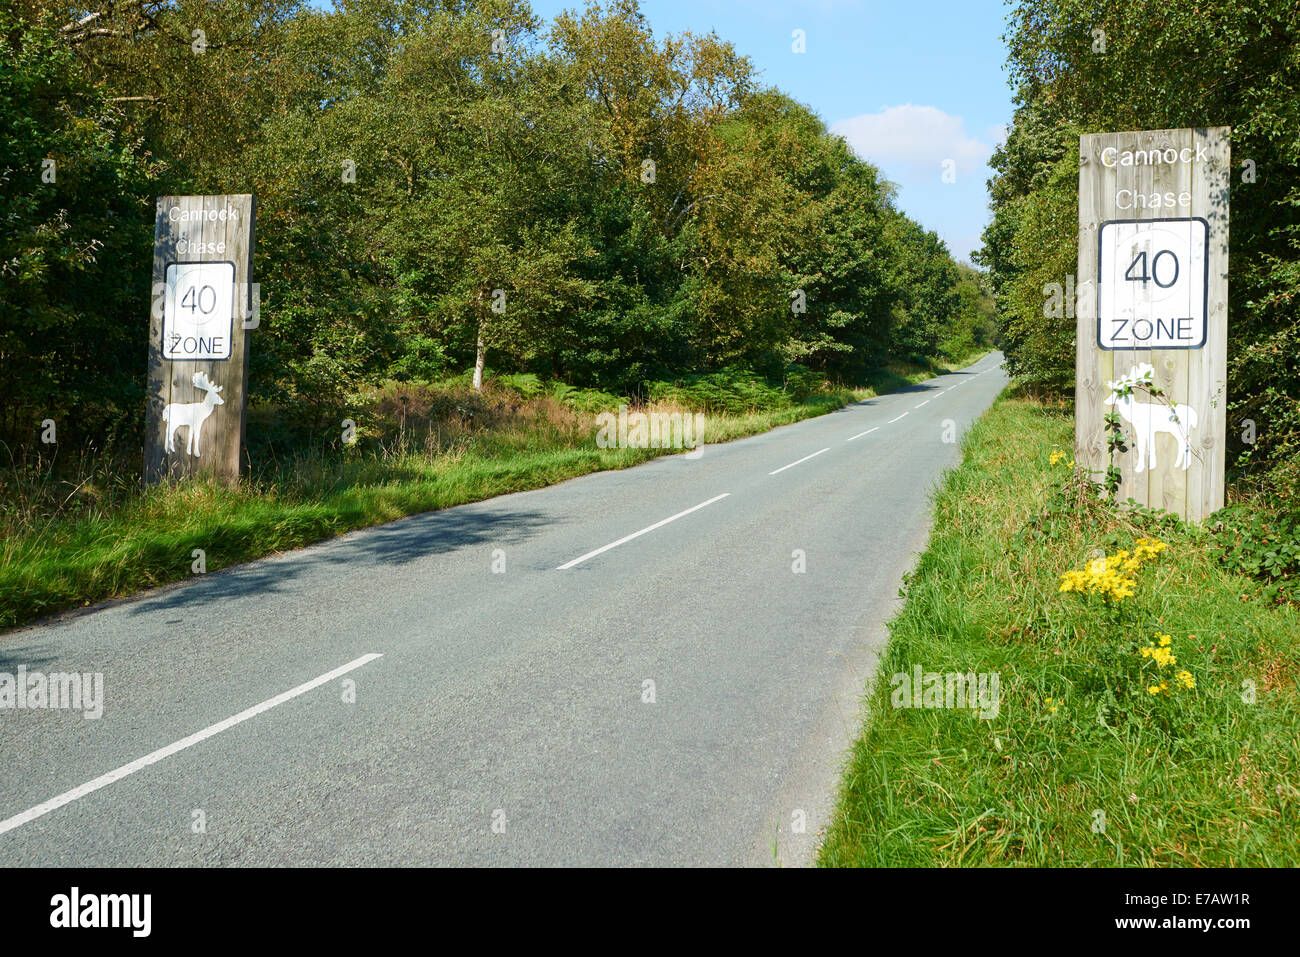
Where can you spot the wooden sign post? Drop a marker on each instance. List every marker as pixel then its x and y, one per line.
pixel 203 304
pixel 1153 307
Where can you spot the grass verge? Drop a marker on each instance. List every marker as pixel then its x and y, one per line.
pixel 115 539
pixel 1084 764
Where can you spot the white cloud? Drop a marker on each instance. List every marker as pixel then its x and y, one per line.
pixel 915 140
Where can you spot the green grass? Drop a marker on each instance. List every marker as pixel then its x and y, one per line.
pixel 75 542
pixel 1192 777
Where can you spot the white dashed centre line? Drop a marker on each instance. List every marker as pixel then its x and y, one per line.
pixel 801 461
pixel 926 402
pixel 892 421
pixel 649 528
pixel 861 434
pixel 153 757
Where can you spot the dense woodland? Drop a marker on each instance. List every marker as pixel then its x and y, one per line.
pixel 1160 64
pixel 636 208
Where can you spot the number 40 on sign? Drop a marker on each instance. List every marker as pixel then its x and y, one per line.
pixel 1152 284
pixel 198 311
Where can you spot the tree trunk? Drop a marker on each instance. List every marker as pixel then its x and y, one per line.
pixel 479 356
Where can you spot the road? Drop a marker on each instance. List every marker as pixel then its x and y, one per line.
pixel 683 697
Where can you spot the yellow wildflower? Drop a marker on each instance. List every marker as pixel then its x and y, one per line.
pixel 1112 576
pixel 1162 655
pixel 1145 548
pixel 1185 679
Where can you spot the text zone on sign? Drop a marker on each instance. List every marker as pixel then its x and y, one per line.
pixel 198 311
pixel 1152 282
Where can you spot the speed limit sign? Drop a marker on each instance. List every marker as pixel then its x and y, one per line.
pixel 1152 284
pixel 203 307
pixel 198 311
pixel 1151 335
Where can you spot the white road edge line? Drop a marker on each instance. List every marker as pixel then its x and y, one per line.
pixel 649 528
pixel 892 421
pixel 104 780
pixel 800 462
pixel 861 434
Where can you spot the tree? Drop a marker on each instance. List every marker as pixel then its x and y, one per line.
pixel 74 258
pixel 1166 64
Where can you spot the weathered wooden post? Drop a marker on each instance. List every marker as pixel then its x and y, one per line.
pixel 1153 291
pixel 203 304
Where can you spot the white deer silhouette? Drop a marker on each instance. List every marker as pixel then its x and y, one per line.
pixel 1150 418
pixel 191 414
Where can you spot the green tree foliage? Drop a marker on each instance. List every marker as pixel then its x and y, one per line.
pixel 75 193
pixel 1165 64
pixel 976 325
pixel 925 280
pixel 444 186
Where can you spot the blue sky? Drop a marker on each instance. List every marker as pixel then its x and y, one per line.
pixel 909 84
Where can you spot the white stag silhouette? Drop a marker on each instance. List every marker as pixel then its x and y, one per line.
pixel 191 414
pixel 1150 418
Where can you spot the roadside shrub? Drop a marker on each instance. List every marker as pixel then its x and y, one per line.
pixel 732 390
pixel 591 400
pixel 406 416
pixel 1262 544
pixel 526 384
pixel 801 382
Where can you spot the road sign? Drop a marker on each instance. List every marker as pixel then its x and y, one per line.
pixel 198 348
pixel 1153 284
pixel 198 311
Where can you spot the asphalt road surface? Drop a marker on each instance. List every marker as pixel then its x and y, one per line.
pixel 628 668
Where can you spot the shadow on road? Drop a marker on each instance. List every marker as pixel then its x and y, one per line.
pixel 400 541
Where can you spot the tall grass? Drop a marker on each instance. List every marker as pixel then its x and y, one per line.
pixel 1083 765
